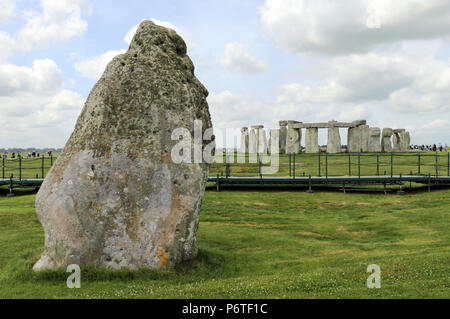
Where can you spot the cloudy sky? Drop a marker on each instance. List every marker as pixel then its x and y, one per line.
pixel 262 61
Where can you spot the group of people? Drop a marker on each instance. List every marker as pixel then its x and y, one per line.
pixel 431 148
pixel 29 155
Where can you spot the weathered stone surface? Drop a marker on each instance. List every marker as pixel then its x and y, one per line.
pixel 334 140
pixel 386 142
pixel 397 140
pixel 114 198
pixel 365 132
pixel 262 141
pixel 244 140
pixel 406 141
pixel 375 140
pixel 293 139
pixel 312 140
pixel 354 140
pixel 272 147
pixel 283 136
pixel 253 142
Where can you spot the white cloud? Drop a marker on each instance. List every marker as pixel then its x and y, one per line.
pixel 94 67
pixel 404 84
pixel 7 46
pixel 34 107
pixel 239 60
pixel 59 21
pixel 44 78
pixel 335 27
pixel 7 8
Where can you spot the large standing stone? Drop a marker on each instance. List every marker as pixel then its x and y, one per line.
pixel 293 139
pixel 253 142
pixel 115 198
pixel 283 136
pixel 312 140
pixel 272 147
pixel 354 139
pixel 406 141
pixel 334 140
pixel 262 140
pixel 244 140
pixel 375 140
pixel 397 140
pixel 386 142
pixel 365 133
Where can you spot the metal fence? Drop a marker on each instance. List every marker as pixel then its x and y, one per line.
pixel 292 165
pixel 342 164
pixel 26 168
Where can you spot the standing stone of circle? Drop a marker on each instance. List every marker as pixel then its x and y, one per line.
pixel 354 139
pixel 293 139
pixel 397 140
pixel 312 140
pixel 274 134
pixel 115 197
pixel 283 136
pixel 252 142
pixel 365 133
pixel 334 140
pixel 375 140
pixel 386 142
pixel 244 140
pixel 262 140
pixel 406 141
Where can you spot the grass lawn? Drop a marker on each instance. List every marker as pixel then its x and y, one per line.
pixel 338 165
pixel 264 245
pixel 343 164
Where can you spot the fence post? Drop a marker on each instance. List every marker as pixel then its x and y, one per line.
pixel 3 167
pixel 437 164
pixel 42 167
pixel 359 164
pixel 51 160
pixel 326 165
pixel 349 164
pixel 419 164
pixel 294 165
pixel 260 165
pixel 290 162
pixel 378 164
pixel 20 166
pixel 392 164
pixel 319 164
pixel 448 164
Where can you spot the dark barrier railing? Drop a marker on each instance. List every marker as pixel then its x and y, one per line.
pixel 342 164
pixel 26 168
pixel 320 164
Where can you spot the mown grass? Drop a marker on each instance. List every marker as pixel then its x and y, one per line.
pixel 264 245
pixel 344 164
pixel 305 164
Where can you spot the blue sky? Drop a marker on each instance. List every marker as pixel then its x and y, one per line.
pixel 262 61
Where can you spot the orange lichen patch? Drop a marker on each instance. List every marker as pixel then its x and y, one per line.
pixel 163 29
pixel 98 206
pixel 164 259
pixel 159 254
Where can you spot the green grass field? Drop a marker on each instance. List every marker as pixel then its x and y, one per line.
pixel 343 164
pixel 264 245
pixel 308 164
